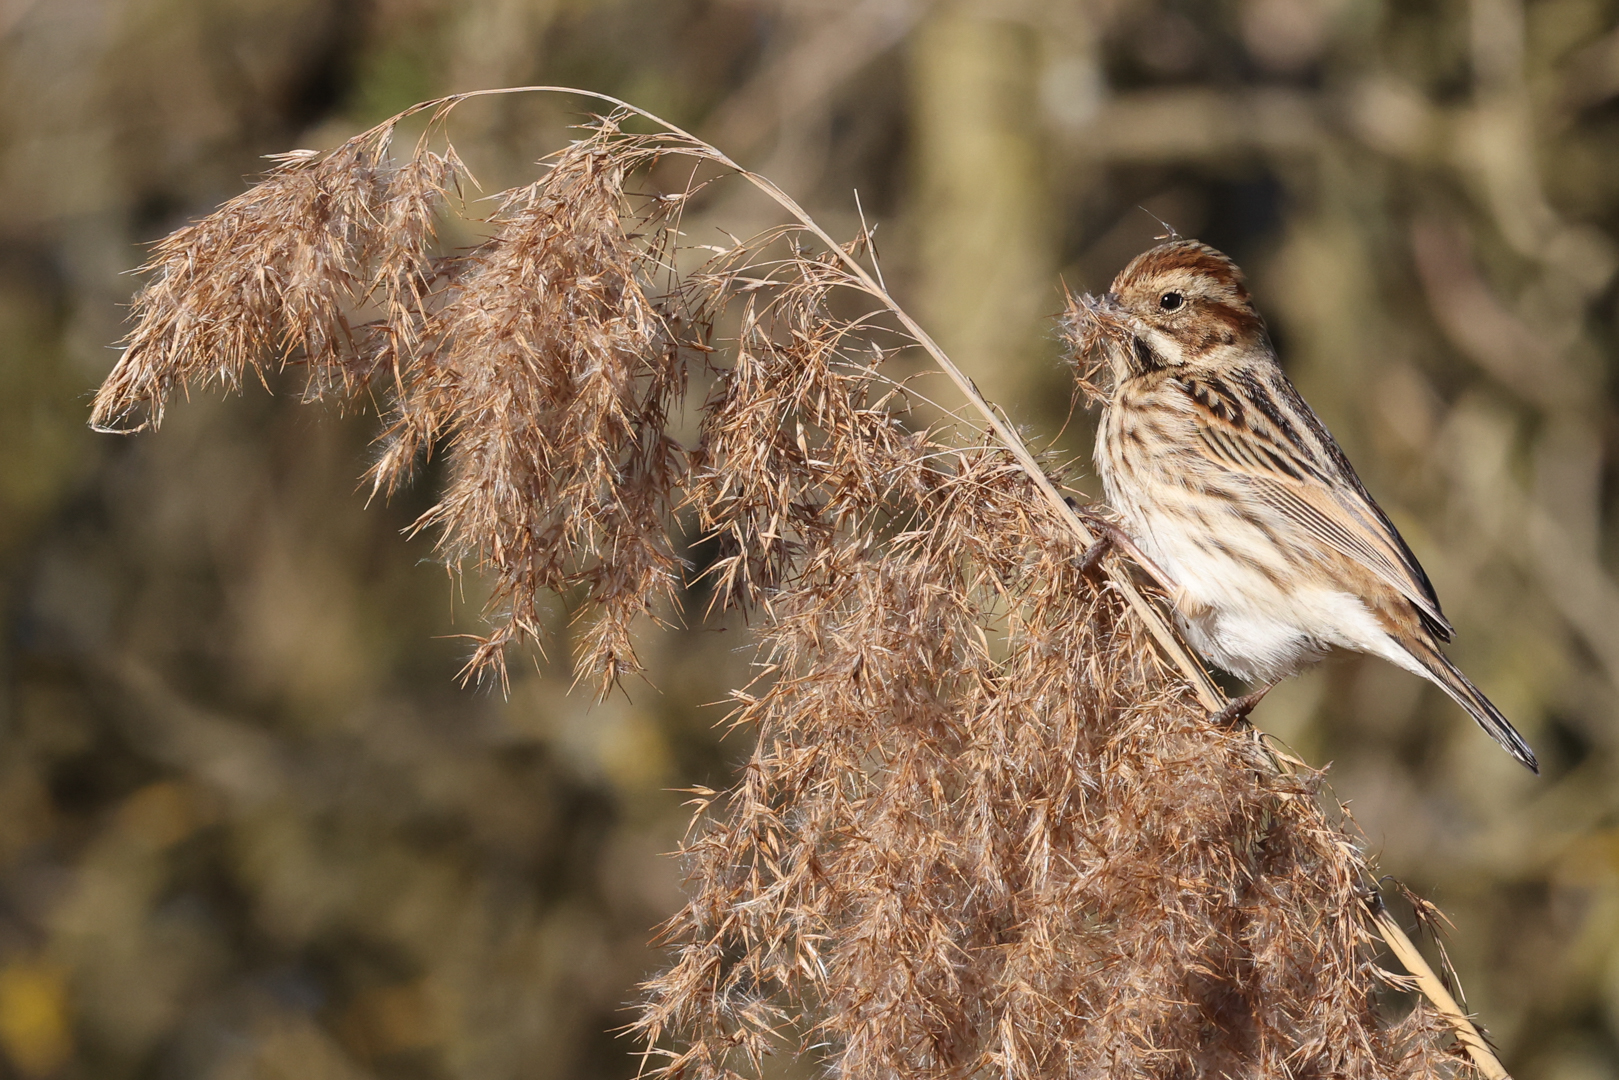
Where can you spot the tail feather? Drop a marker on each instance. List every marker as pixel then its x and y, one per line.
pixel 1442 672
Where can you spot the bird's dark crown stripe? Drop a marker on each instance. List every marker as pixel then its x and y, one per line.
pixel 1189 257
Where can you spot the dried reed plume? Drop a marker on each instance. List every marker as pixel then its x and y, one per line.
pixel 987 826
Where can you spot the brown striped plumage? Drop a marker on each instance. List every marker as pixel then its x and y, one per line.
pixel 1231 483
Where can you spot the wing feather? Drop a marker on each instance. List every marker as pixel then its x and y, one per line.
pixel 1264 432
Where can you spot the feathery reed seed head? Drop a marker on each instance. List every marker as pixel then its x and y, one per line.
pixel 984 828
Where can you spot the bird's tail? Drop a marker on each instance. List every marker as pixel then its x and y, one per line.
pixel 1453 682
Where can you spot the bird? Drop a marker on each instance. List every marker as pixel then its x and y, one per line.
pixel 1232 492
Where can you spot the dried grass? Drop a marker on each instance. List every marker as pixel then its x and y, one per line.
pixel 987 825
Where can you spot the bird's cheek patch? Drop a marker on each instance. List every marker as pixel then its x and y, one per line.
pixel 1165 350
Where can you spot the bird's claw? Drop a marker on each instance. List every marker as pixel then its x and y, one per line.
pixel 1090 563
pixel 1109 536
pixel 1237 709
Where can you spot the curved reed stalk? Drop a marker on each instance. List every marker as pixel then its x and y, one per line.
pixel 988 824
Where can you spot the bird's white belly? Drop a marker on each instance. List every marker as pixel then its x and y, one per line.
pixel 1248 610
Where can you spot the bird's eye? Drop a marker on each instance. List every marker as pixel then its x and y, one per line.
pixel 1170 301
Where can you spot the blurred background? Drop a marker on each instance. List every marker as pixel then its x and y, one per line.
pixel 250 825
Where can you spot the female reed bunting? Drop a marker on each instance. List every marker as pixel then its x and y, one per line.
pixel 1247 511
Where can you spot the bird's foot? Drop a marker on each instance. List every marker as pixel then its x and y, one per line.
pixel 1108 537
pixel 1090 563
pixel 1237 709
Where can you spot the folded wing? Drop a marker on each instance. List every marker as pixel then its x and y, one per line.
pixel 1264 432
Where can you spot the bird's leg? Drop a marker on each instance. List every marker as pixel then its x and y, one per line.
pixel 1237 709
pixel 1110 536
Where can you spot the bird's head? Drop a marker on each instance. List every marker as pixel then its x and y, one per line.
pixel 1187 308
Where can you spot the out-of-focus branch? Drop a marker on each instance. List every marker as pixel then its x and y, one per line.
pixel 803 77
pixel 1177 125
pixel 1591 75
pixel 1482 328
pixel 1479 325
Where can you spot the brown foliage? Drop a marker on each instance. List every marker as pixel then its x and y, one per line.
pixel 273 274
pixel 985 826
pixel 551 374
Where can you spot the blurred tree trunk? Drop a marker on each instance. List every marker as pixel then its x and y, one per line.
pixel 986 251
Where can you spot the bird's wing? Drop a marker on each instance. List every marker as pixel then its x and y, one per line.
pixel 1263 431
